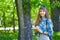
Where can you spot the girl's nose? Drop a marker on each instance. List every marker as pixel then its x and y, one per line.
pixel 42 12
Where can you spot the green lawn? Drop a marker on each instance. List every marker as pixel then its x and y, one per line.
pixel 10 35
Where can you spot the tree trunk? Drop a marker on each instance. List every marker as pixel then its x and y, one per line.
pixel 27 21
pixel 20 19
pixel 55 17
pixel 23 10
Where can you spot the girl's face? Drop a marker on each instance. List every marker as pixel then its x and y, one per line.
pixel 42 12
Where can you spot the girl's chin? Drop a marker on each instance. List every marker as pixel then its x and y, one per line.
pixel 42 16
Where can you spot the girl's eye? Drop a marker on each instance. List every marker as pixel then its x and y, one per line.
pixel 42 12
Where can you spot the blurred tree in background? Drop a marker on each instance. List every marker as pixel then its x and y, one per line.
pixel 55 10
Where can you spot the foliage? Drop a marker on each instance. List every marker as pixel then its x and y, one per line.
pixel 55 4
pixel 8 35
pixel 7 11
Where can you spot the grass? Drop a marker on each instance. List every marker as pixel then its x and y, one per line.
pixel 56 36
pixel 10 35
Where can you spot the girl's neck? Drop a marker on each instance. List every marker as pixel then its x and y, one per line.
pixel 43 17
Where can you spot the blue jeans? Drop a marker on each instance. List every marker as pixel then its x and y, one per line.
pixel 50 37
pixel 42 36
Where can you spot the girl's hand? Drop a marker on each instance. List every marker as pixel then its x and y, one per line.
pixel 45 33
pixel 39 29
pixel 35 28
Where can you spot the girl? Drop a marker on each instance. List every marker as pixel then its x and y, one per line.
pixel 44 23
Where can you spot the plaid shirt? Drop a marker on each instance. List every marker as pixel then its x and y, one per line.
pixel 46 25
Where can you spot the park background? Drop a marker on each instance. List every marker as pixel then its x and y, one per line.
pixel 9 17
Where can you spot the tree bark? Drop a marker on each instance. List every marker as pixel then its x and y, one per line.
pixel 20 19
pixel 55 16
pixel 23 12
pixel 27 21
